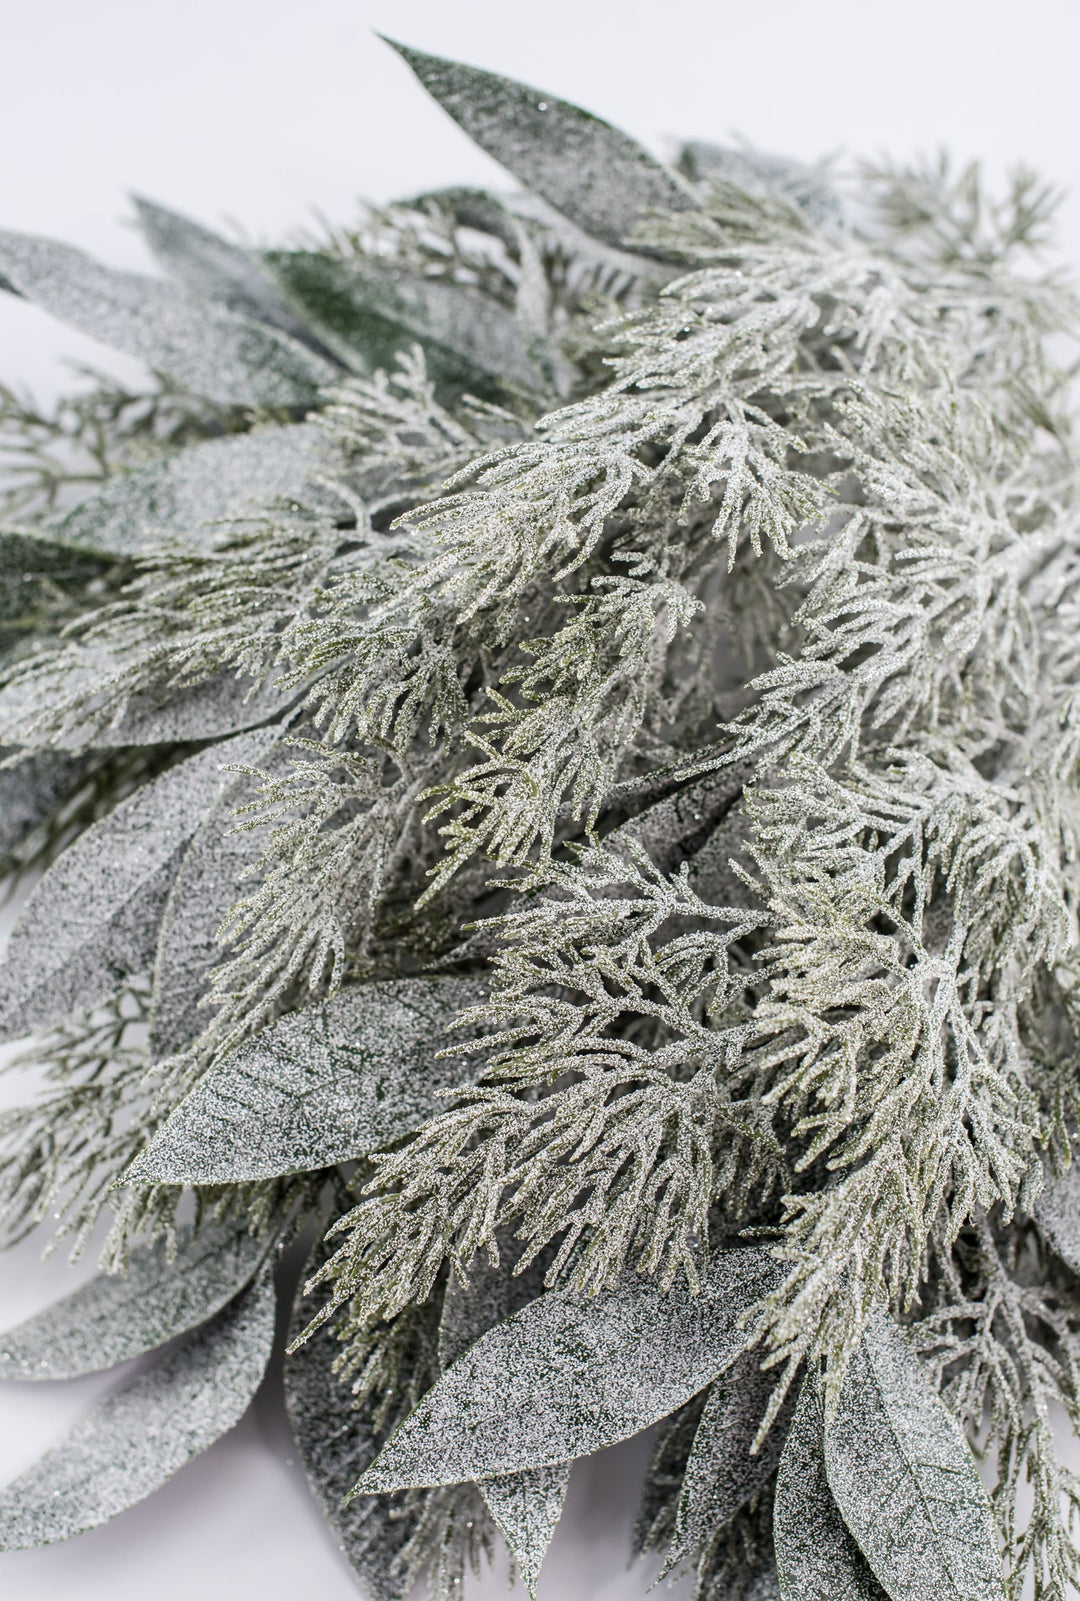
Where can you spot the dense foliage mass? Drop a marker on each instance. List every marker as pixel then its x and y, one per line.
pixel 552 734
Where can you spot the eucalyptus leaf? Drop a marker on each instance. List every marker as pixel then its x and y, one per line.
pixel 905 1480
pixel 323 1085
pixel 569 1374
pixel 33 567
pixel 203 347
pixel 366 313
pixel 721 1473
pixel 597 176
pixel 1057 1212
pixel 526 1506
pixel 213 268
pixel 116 1317
pixel 184 496
pixel 94 916
pixel 336 1441
pixel 130 1443
pixel 816 1557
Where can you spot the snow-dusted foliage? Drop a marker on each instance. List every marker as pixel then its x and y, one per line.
pixel 552 733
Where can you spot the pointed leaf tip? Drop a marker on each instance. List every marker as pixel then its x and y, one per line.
pixel 599 177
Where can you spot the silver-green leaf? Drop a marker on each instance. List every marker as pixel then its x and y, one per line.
pixel 213 268
pixel 186 497
pixel 93 918
pixel 336 1441
pixel 33 789
pixel 762 173
pixel 130 1443
pixel 569 1374
pixel 117 1317
pixel 721 1473
pixel 1057 1212
pixel 597 176
pixel 816 1557
pixel 323 1085
pixel 526 1506
pixel 203 347
pixel 905 1480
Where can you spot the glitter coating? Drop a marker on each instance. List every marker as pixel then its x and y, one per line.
pixel 206 348
pixel 568 1375
pixel 594 174
pixel 321 1086
pixel 1057 1212
pixel 209 882
pixel 816 1557
pixel 721 1474
pixel 905 1479
pixel 130 1443
pixel 31 791
pixel 114 1318
pixel 526 1506
pixel 185 495
pixel 363 312
pixel 94 916
pixel 336 1442
pixel 213 268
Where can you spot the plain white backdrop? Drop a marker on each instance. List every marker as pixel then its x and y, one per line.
pixel 264 113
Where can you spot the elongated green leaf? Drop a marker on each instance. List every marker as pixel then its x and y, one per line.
pixel 114 1318
pixel 598 177
pixel 205 348
pixel 567 1375
pixel 676 829
pixel 905 1480
pixel 816 1557
pixel 721 1474
pixel 1057 1212
pixel 526 1506
pixel 212 268
pixel 324 1084
pixel 133 1441
pixel 184 496
pixel 365 313
pixel 94 916
pixel 760 172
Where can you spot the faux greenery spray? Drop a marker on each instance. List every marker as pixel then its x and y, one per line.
pixel 552 734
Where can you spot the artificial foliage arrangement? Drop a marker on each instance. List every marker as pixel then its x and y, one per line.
pixel 548 739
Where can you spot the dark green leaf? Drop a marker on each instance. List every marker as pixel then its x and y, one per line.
pixel 905 1479
pixel 598 177
pixel 183 496
pixel 323 1085
pixel 94 917
pixel 526 1506
pixel 721 1474
pixel 113 1318
pixel 129 1444
pixel 816 1557
pixel 366 313
pixel 569 1374
pixel 203 347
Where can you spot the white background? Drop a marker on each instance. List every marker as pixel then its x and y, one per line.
pixel 265 112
